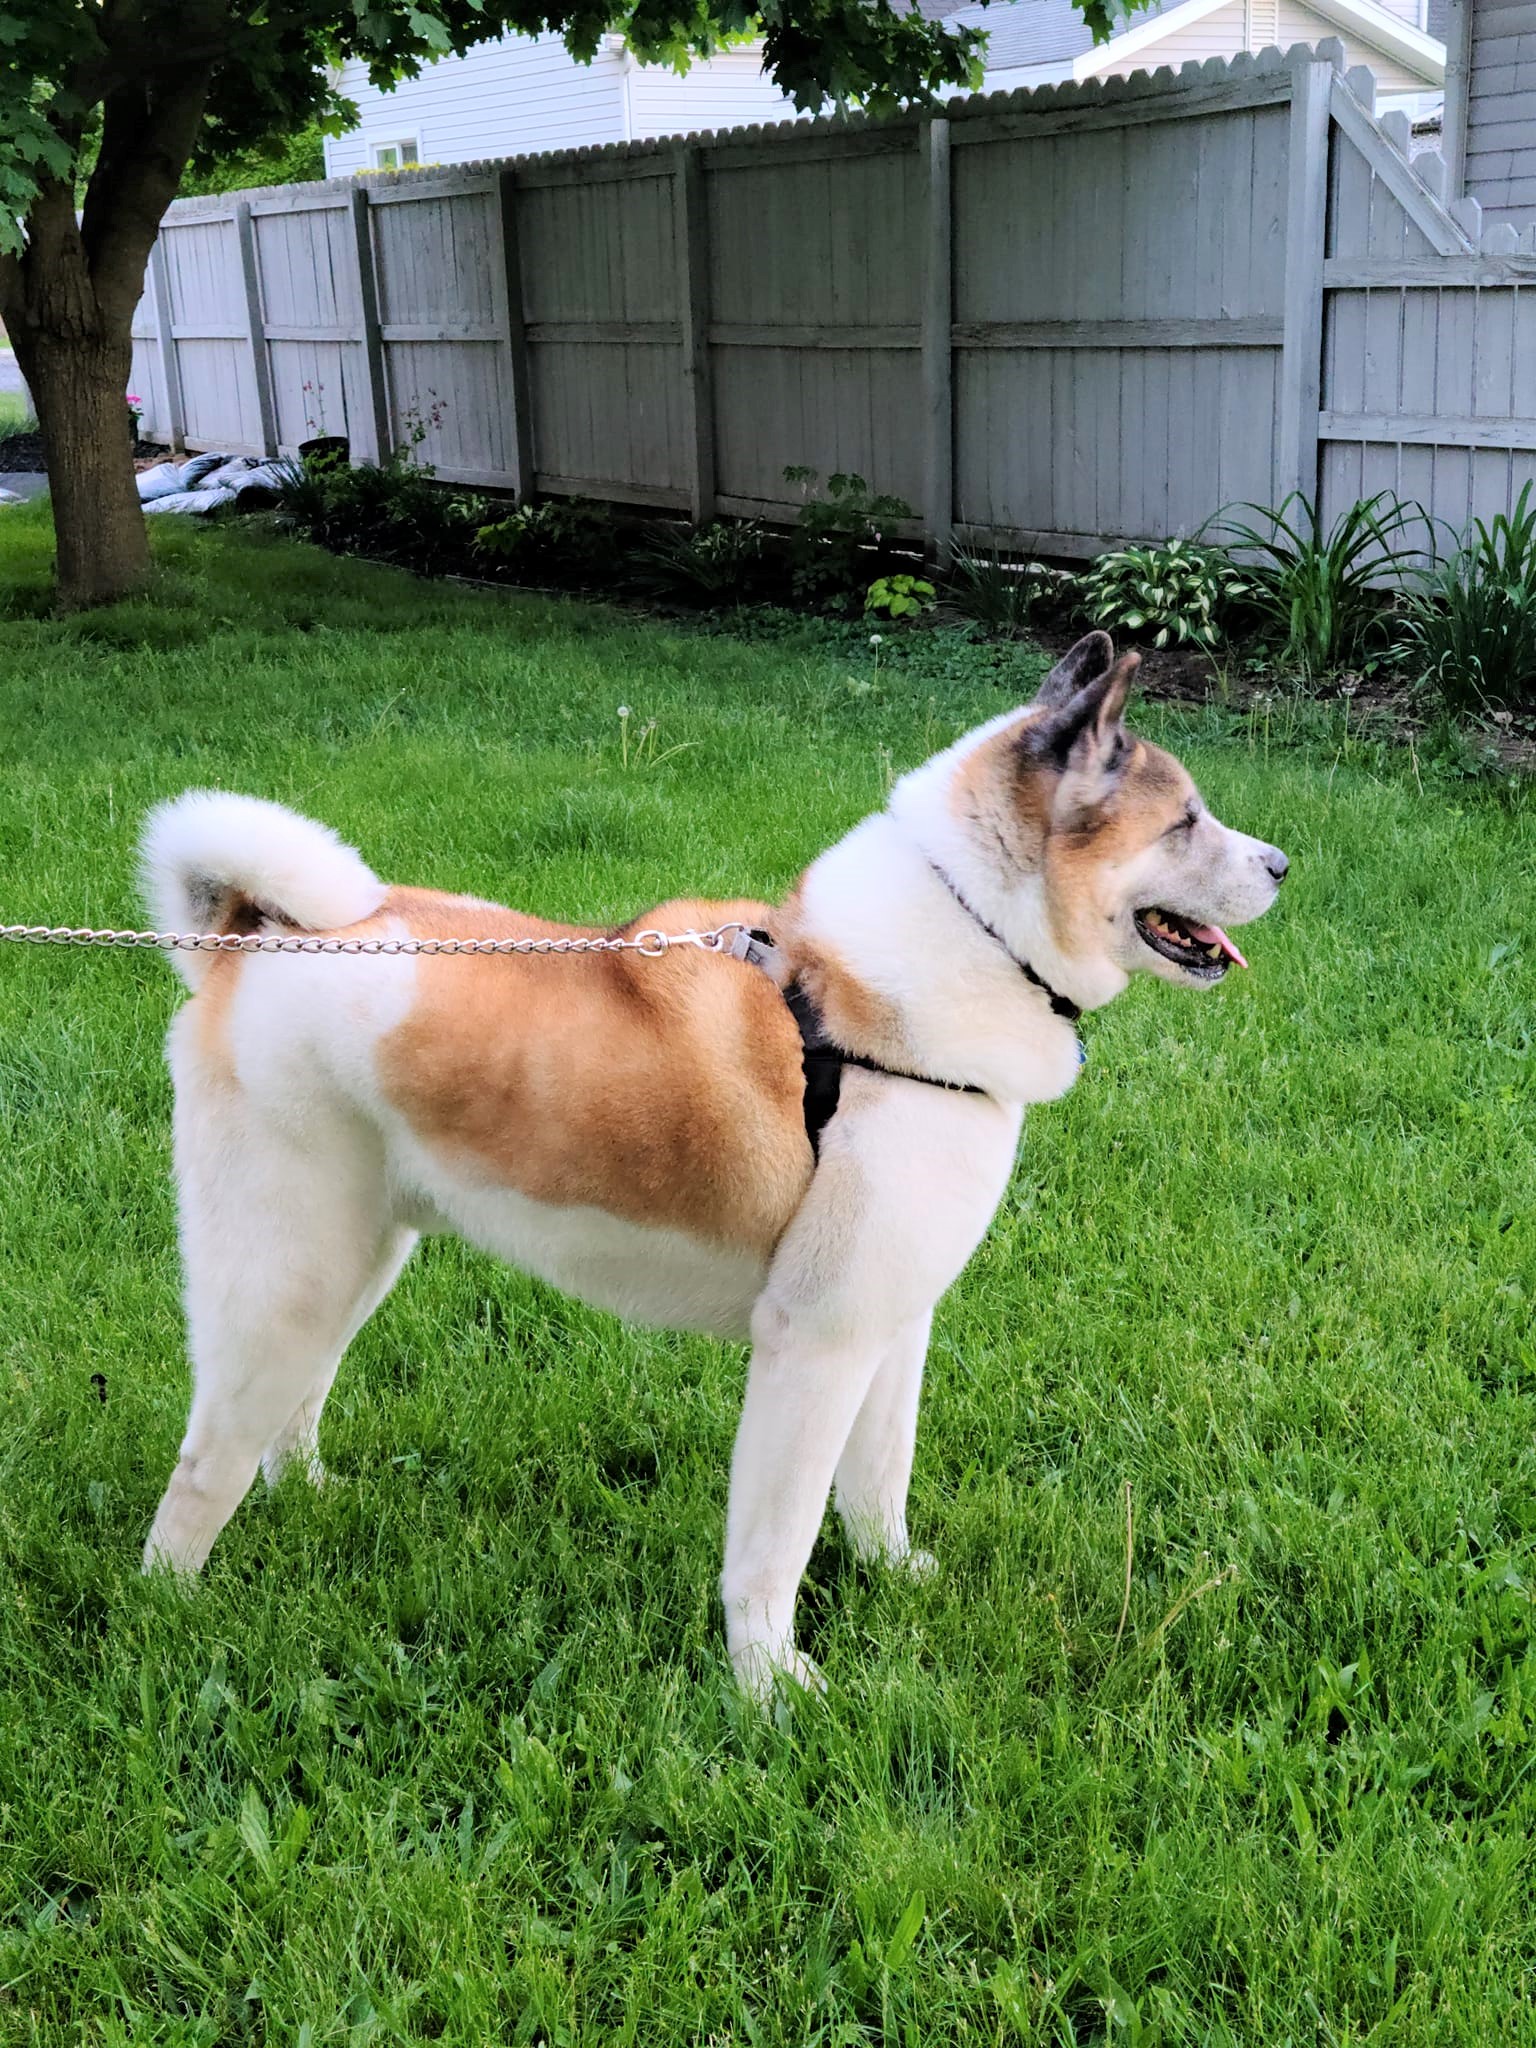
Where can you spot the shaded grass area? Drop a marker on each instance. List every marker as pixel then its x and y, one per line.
pixel 449 1752
pixel 15 413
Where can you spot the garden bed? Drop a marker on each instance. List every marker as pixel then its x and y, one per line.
pixel 1343 611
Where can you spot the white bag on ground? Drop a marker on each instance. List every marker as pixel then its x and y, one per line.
pixel 160 481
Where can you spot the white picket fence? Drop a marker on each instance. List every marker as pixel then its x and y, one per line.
pixel 1061 319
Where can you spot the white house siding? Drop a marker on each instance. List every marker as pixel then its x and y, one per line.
pixel 727 91
pixel 1252 25
pixel 508 98
pixel 527 93
pixel 1222 34
pixel 1501 112
pixel 1020 78
pixel 1301 25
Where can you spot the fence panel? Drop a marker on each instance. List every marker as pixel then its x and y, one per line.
pixel 602 320
pixel 437 252
pixel 815 335
pixel 312 316
pixel 210 333
pixel 1118 321
pixel 1062 319
pixel 1429 353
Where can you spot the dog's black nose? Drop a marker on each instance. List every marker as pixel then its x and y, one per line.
pixel 1277 863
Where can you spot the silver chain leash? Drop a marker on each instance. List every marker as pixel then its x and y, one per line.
pixel 723 939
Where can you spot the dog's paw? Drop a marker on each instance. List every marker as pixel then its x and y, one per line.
pixel 772 1678
pixel 917 1564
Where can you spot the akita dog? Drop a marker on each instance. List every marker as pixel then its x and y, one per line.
pixel 803 1145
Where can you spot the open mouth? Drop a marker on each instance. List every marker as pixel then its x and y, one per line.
pixel 1203 950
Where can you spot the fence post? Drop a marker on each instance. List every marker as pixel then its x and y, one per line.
pixel 1306 234
pixel 938 354
pixel 1458 68
pixel 368 327
pixel 261 369
pixel 692 217
pixel 165 341
pixel 510 313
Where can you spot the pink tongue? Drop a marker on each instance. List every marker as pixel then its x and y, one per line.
pixel 1213 935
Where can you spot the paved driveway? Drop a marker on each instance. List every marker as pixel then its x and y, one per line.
pixel 10 376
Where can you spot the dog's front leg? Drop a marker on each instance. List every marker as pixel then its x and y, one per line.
pixel 803 1393
pixel 875 1469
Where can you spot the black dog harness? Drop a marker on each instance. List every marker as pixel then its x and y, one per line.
pixel 822 1059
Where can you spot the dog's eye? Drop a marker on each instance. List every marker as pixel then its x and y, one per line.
pixel 1184 824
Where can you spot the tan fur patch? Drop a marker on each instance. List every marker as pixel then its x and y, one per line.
pixel 664 1091
pixel 1150 791
pixel 855 1017
pixel 1005 807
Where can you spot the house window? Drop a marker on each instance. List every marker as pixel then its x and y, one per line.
pixel 394 156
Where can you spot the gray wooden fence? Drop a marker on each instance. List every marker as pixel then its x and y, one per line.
pixel 1061 319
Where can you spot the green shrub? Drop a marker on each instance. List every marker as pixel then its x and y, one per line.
pixel 392 511
pixel 722 563
pixel 842 541
pixel 1471 624
pixel 996 594
pixel 561 540
pixel 1329 593
pixel 1177 594
pixel 899 597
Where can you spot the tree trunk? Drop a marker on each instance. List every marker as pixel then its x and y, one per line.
pixel 68 302
pixel 79 384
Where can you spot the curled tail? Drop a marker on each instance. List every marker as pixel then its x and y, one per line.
pixel 215 863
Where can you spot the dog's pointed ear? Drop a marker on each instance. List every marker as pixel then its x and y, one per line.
pixel 1086 731
pixel 1083 663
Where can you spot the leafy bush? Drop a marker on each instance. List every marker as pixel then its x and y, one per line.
pixel 842 540
pixel 390 510
pixel 899 597
pixel 994 593
pixel 562 540
pixel 1327 592
pixel 1178 593
pixel 707 565
pixel 1471 624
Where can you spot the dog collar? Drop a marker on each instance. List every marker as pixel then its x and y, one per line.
pixel 1061 1006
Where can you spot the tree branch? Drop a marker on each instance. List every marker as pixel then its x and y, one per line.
pixel 145 146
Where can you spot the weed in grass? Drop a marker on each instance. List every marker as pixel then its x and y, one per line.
pixel 448 1751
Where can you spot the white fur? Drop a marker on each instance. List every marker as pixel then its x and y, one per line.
pixel 302 1190
pixel 205 843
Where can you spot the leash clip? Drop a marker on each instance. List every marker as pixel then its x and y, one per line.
pixel 757 949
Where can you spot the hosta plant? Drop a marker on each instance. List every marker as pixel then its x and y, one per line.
pixel 899 597
pixel 1175 594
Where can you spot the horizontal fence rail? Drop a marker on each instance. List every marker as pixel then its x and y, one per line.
pixel 1062 320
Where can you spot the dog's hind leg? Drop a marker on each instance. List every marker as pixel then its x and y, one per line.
pixel 875 1470
pixel 288 1245
pixel 298 1441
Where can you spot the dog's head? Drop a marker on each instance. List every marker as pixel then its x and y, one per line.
pixel 1133 873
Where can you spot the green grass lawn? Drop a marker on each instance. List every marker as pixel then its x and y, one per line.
pixel 15 412
pixel 451 1752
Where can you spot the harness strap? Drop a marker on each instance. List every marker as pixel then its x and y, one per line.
pixel 822 1059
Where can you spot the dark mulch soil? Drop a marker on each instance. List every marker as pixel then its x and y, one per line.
pixel 20 452
pixel 1379 700
pixel 25 452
